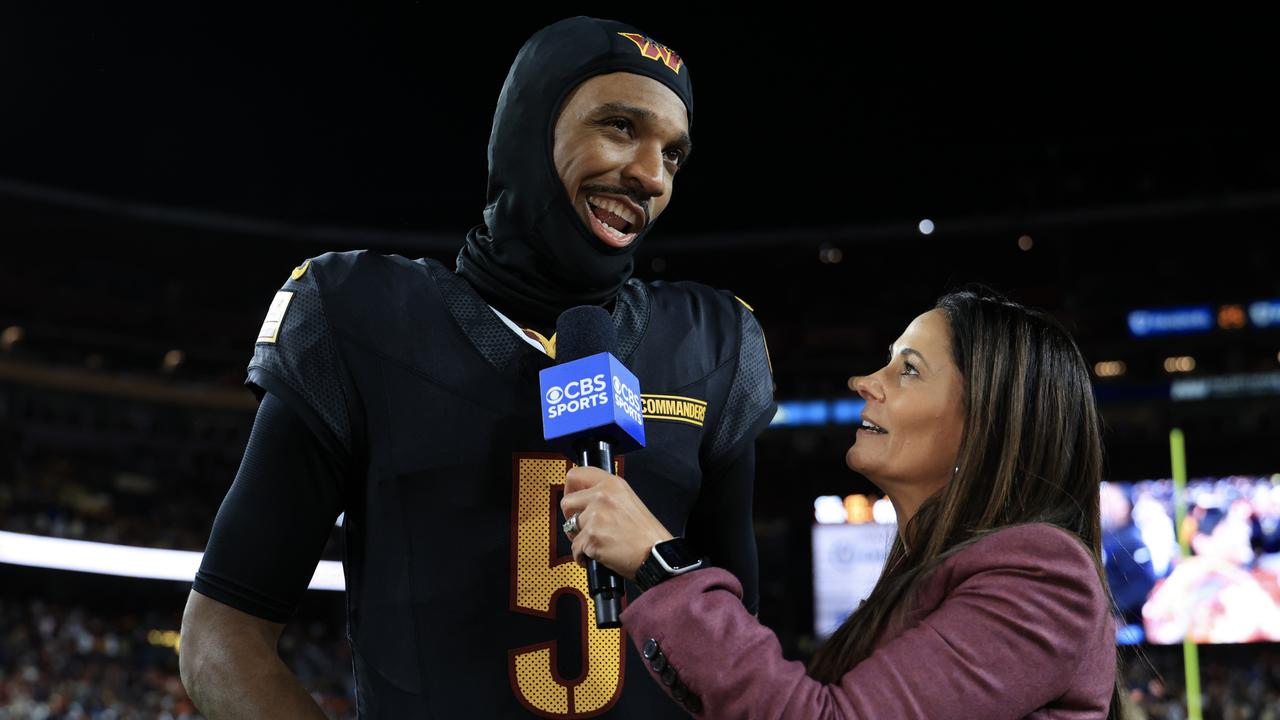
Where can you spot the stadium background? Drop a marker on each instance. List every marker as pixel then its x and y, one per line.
pixel 162 170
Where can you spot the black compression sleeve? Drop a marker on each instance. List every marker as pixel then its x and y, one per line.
pixel 275 520
pixel 721 527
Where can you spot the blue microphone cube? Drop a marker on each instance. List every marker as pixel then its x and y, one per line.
pixel 592 397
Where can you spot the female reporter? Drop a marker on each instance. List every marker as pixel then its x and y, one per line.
pixel 983 433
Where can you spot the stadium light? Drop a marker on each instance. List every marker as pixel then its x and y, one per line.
pixel 11 336
pixel 1110 368
pixel 126 560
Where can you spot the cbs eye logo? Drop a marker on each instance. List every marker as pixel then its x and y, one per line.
pixel 617 384
pixel 555 395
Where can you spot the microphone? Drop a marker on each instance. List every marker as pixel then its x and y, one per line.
pixel 590 410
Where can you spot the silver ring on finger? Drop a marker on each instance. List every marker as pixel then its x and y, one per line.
pixel 571 526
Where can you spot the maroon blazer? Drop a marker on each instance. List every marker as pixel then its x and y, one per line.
pixel 1016 625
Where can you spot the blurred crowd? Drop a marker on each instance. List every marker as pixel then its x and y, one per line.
pixel 1237 682
pixel 73 663
pixel 82 498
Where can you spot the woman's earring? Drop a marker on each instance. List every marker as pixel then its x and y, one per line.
pixel 956 471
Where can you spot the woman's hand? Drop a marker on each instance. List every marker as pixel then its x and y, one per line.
pixel 614 526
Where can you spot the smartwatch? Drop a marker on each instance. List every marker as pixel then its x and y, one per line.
pixel 667 560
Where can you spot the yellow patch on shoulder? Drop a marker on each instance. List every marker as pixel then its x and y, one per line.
pixel 270 331
pixel 301 270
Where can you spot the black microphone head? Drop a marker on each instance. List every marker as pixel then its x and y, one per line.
pixel 582 331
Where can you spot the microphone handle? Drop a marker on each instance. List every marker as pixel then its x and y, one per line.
pixel 604 585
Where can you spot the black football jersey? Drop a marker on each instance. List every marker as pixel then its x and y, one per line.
pixel 463 598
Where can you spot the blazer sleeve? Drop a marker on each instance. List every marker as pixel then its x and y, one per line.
pixel 1022 614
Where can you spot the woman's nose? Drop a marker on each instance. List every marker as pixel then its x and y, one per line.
pixel 869 388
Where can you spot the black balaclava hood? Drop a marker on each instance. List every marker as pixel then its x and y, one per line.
pixel 533 256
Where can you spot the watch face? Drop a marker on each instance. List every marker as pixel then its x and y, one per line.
pixel 676 553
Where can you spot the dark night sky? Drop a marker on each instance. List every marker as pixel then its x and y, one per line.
pixel 1144 163
pixel 378 117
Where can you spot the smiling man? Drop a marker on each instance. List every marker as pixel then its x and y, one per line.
pixel 405 395
pixel 563 220
pixel 619 141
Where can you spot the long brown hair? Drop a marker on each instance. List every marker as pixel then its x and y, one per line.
pixel 1031 452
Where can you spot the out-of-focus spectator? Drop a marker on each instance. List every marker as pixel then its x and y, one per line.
pixel 1156 526
pixel 1125 556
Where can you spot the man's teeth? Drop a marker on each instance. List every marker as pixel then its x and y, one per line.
pixel 614 207
pixel 868 425
pixel 616 233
